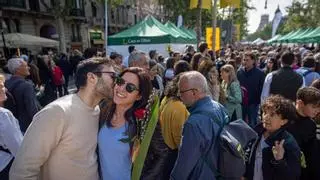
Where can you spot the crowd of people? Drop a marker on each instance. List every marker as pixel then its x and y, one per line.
pixel 48 133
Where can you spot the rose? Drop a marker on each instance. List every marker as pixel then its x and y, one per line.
pixel 139 113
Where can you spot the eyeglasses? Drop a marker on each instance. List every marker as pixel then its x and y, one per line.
pixel 181 92
pixel 129 86
pixel 113 75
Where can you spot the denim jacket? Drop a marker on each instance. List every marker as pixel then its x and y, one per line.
pixel 197 135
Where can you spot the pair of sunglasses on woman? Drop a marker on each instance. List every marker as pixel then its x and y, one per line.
pixel 129 86
pixel 120 81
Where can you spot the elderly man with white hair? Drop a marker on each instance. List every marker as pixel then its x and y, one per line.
pixel 26 104
pixel 198 150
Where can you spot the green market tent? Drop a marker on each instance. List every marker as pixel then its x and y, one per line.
pixel 183 33
pixel 191 33
pixel 274 38
pixel 148 31
pixel 294 39
pixel 311 37
pixel 286 38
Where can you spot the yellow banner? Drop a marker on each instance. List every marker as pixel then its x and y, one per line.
pixel 237 33
pixel 206 4
pixel 232 3
pixel 209 33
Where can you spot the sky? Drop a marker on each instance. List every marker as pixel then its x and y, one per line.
pixel 255 15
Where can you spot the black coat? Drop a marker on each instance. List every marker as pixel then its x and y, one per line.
pixel 286 169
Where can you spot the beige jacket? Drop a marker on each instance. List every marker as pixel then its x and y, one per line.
pixel 60 143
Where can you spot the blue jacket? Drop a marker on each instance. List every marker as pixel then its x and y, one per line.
pixel 253 81
pixel 25 97
pixel 197 135
pixel 308 74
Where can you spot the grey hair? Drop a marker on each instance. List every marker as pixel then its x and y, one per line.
pixel 14 64
pixel 196 80
pixel 135 56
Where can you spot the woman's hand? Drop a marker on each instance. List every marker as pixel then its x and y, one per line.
pixel 278 150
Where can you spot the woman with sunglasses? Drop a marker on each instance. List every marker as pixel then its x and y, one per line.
pixel 131 92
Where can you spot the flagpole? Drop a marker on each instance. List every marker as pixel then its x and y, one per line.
pixel 106 26
pixel 214 25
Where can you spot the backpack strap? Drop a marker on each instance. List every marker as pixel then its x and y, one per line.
pixel 204 157
pixel 304 74
pixel 5 150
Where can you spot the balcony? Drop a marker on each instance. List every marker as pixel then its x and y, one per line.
pixel 13 3
pixel 76 12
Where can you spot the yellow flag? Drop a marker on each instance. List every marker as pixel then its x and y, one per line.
pixel 237 33
pixel 209 38
pixel 232 3
pixel 206 4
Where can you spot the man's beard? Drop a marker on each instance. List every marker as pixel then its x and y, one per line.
pixel 104 91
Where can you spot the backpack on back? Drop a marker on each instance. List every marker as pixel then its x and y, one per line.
pixel 232 138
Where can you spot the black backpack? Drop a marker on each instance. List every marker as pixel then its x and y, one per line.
pixel 233 138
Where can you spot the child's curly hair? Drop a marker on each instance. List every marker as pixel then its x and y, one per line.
pixel 281 106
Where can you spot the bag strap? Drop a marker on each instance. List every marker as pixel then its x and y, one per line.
pixel 205 159
pixel 5 150
pixel 306 73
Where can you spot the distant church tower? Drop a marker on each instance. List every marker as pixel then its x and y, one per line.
pixel 263 22
pixel 276 21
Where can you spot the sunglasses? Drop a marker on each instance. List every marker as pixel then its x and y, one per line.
pixel 129 86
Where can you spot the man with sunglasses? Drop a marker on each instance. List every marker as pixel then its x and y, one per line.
pixel 198 150
pixel 61 141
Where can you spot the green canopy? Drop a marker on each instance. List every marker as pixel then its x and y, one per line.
pixel 148 31
pixel 288 36
pixel 294 39
pixel 274 39
pixel 192 33
pixel 311 37
pixel 174 28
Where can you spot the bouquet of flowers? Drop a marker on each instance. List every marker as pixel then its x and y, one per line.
pixel 146 122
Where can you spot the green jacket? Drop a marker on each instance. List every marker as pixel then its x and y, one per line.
pixel 234 98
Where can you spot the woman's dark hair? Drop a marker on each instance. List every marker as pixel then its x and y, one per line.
pixel 145 89
pixel 195 61
pixel 205 67
pixel 281 106
pixel 274 66
pixel 316 84
pixel 34 75
pixel 170 63
pixel 172 88
pixel 181 66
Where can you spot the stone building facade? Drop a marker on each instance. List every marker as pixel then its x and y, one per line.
pixel 83 24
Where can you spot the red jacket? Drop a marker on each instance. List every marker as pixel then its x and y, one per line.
pixel 57 76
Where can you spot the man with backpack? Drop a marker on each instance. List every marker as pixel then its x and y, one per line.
pixel 307 70
pixel 24 102
pixel 198 153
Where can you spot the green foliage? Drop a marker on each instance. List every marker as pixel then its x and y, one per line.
pixel 302 15
pixel 264 34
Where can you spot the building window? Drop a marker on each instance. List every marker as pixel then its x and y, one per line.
pixel 34 5
pixel 7 22
pixel 94 9
pixel 17 24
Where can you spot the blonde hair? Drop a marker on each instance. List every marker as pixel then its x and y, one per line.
pixel 228 68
